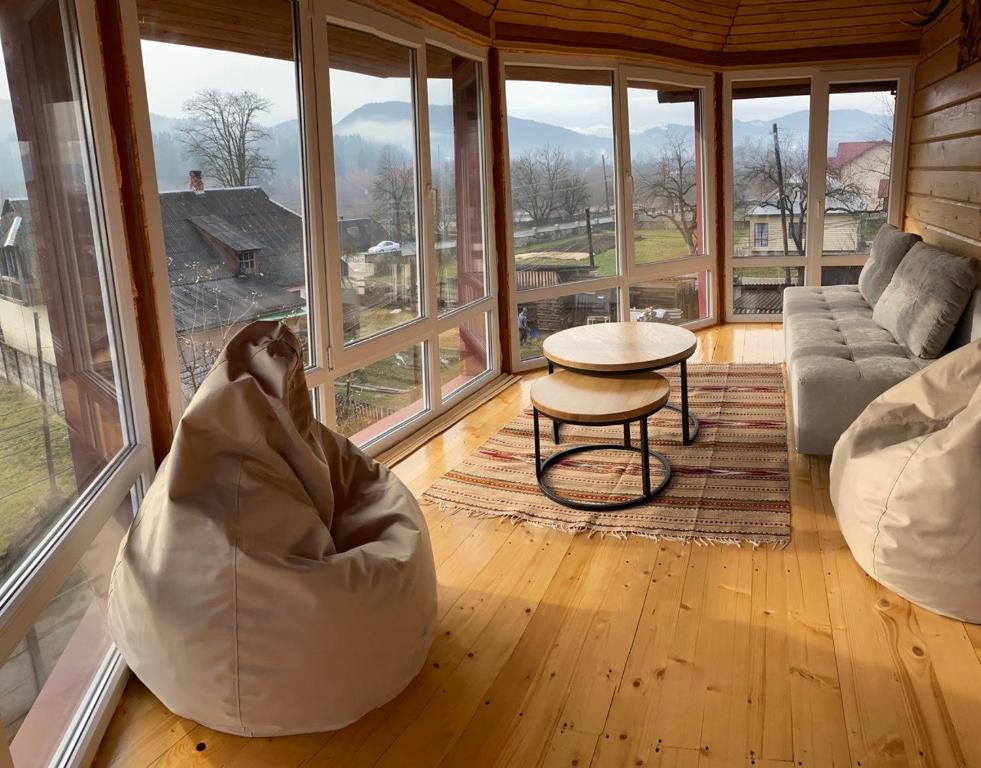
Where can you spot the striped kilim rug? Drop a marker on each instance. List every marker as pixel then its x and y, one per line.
pixel 730 486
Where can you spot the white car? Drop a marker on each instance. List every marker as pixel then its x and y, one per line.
pixel 385 246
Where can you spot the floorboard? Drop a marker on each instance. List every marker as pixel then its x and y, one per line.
pixel 560 650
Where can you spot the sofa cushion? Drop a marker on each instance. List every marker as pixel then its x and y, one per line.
pixel 888 249
pixel 925 299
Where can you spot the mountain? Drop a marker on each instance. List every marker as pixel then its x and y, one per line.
pixel 390 122
pixel 843 125
pixel 360 136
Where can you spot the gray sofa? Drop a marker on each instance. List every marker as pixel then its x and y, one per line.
pixel 847 344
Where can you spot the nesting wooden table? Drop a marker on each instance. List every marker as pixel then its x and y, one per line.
pixel 596 402
pixel 612 349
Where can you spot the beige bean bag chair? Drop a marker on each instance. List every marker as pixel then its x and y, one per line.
pixel 276 580
pixel 906 486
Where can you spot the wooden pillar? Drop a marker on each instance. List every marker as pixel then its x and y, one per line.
pixel 502 209
pixel 721 289
pixel 121 111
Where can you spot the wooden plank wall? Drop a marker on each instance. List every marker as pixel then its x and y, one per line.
pixel 943 200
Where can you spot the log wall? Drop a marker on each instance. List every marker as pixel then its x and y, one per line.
pixel 943 185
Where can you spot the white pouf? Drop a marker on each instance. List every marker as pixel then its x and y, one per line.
pixel 276 580
pixel 906 486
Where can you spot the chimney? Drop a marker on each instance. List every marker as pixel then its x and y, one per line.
pixel 197 183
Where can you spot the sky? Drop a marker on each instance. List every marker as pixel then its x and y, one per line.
pixel 174 73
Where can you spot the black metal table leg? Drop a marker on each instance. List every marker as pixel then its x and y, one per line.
pixel 685 426
pixel 643 449
pixel 555 422
pixel 689 421
pixel 645 457
pixel 538 446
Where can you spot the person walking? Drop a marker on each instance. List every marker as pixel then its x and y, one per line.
pixel 522 326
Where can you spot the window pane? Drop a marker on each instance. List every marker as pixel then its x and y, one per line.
pixel 462 354
pixel 563 182
pixel 537 320
pixel 377 398
pixel 233 221
pixel 860 126
pixel 769 138
pixel 60 406
pixel 840 275
pixel 759 290
pixel 666 163
pixel 375 179
pixel 48 674
pixel 456 155
pixel 674 300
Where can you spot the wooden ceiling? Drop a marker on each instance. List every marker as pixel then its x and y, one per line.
pixel 713 32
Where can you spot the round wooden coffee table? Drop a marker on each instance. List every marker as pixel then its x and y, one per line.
pixel 611 349
pixel 601 401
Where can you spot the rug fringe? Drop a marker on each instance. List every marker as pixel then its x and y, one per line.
pixel 453 508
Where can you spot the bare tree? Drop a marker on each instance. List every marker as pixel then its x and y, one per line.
pixel 787 191
pixel 223 135
pixel 539 178
pixel 666 186
pixel 214 319
pixel 759 168
pixel 573 194
pixel 393 190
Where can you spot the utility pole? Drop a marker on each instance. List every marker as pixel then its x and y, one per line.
pixel 589 237
pixel 783 197
pixel 606 187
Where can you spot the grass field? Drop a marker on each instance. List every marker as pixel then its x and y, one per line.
pixel 650 245
pixel 25 492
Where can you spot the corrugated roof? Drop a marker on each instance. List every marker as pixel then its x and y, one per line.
pixel 206 288
pixel 225 232
pixel 247 215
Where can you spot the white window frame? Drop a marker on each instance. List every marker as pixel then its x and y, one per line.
pixel 36 580
pixel 330 357
pixel 821 79
pixel 342 358
pixel 628 271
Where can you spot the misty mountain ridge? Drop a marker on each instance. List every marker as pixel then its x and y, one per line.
pixel 361 135
pixel 377 120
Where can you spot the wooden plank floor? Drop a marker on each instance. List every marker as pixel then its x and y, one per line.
pixel 559 650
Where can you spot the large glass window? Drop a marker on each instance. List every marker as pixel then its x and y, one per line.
pixel 379 397
pixel 226 143
pixel 67 419
pixel 456 158
pixel 666 164
pixel 859 167
pixel 61 402
pixel 759 290
pixel 563 179
pixel 769 171
pixel 464 354
pixel 537 320
pixel 374 133
pixel 770 200
pixel 676 300
pixel 49 673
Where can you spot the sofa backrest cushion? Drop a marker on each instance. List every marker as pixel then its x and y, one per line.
pixel 925 298
pixel 888 249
